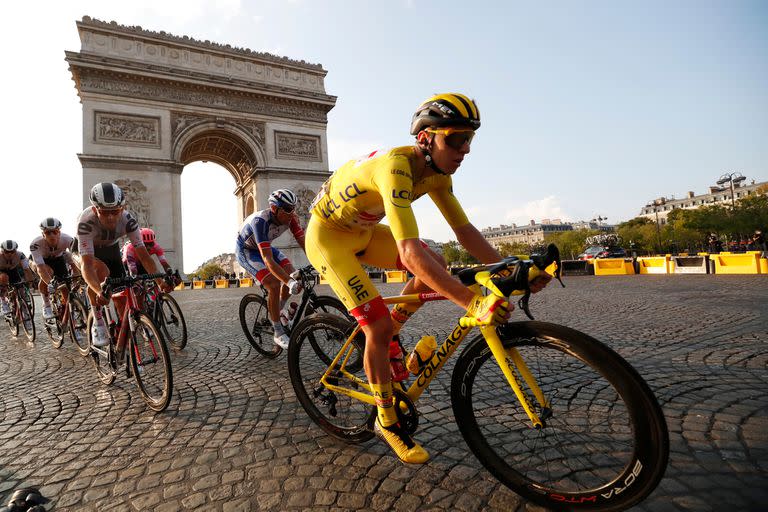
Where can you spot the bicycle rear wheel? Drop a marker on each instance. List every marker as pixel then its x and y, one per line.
pixel 103 357
pixel 604 445
pixel 27 320
pixel 339 415
pixel 78 325
pixel 254 319
pixel 55 332
pixel 151 364
pixel 172 321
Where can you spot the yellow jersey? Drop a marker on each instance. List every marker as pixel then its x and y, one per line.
pixel 362 192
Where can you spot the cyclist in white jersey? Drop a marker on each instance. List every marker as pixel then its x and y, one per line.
pixel 50 256
pixel 14 267
pixel 99 229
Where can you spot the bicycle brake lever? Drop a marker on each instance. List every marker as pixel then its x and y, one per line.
pixel 523 304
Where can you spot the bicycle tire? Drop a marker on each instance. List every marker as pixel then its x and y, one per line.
pixel 106 367
pixel 78 325
pixel 149 352
pixel 26 296
pixel 258 329
pixel 55 332
pixel 174 317
pixel 606 444
pixel 27 320
pixel 337 414
pixel 13 317
pixel 332 305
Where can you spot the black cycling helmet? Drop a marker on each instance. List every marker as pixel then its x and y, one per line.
pixel 107 195
pixel 50 223
pixel 449 109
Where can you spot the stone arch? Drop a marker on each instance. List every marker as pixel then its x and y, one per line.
pixel 154 102
pixel 249 206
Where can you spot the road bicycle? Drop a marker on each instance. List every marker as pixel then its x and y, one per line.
pixel 134 340
pixel 25 292
pixel 20 314
pixel 552 413
pixel 163 309
pixel 70 314
pixel 254 314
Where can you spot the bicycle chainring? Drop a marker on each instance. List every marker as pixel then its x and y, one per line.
pixel 407 415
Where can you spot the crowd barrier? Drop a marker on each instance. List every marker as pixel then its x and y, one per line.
pixel 747 263
pixel 397 276
pixel 654 264
pixel 691 264
pixel 221 283
pixel 198 285
pixel 613 267
pixel 578 268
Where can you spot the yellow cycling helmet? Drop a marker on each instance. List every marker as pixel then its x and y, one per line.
pixel 449 109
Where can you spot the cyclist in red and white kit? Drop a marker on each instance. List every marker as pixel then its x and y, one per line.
pixel 131 261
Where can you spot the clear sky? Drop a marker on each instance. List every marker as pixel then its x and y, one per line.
pixel 588 108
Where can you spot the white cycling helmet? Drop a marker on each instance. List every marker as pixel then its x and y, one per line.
pixel 107 195
pixel 50 223
pixel 283 198
pixel 9 246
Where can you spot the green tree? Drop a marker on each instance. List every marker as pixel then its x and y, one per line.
pixel 514 249
pixel 208 271
pixel 640 234
pixel 571 243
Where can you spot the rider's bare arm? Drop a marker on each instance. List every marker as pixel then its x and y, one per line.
pixel 474 242
pixel 88 269
pixel 426 268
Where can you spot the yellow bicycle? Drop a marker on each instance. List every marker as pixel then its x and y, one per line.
pixel 554 414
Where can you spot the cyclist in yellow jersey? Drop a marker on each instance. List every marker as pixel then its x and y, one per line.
pixel 344 232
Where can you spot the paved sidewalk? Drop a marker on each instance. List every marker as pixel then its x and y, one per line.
pixel 235 438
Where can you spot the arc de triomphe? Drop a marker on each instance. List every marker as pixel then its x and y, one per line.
pixel 154 102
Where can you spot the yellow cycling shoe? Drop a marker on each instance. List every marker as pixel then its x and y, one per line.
pixel 406 449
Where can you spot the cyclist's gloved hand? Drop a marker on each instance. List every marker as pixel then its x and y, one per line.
pixel 294 286
pixel 489 309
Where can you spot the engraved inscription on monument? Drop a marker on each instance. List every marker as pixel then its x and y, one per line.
pixel 297 147
pixel 132 130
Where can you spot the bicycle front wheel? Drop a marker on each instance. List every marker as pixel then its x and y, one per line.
pixel 254 319
pixel 26 294
pixel 151 364
pixel 339 415
pixel 103 357
pixel 604 445
pixel 78 325
pixel 172 321
pixel 27 320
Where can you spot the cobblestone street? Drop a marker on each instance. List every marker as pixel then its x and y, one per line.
pixel 235 438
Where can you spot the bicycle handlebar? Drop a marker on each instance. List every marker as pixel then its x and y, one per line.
pixel 512 276
pixel 113 282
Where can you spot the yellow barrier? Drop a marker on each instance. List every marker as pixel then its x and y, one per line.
pixel 221 283
pixel 727 263
pixel 198 285
pixel 397 276
pixel 613 267
pixel 179 286
pixel 655 264
pixel 764 265
pixel 246 282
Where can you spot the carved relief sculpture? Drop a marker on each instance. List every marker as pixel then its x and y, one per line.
pixel 112 128
pixel 296 146
pixel 136 200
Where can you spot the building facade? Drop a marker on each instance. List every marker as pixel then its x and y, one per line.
pixel 532 233
pixel 658 210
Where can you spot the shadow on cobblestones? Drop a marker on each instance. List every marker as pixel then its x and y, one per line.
pixel 235 438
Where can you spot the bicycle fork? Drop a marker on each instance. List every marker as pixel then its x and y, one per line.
pixel 511 363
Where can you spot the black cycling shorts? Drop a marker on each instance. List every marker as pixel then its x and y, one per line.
pixel 110 256
pixel 58 266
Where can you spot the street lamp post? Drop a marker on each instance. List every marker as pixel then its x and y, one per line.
pixel 732 178
pixel 658 230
